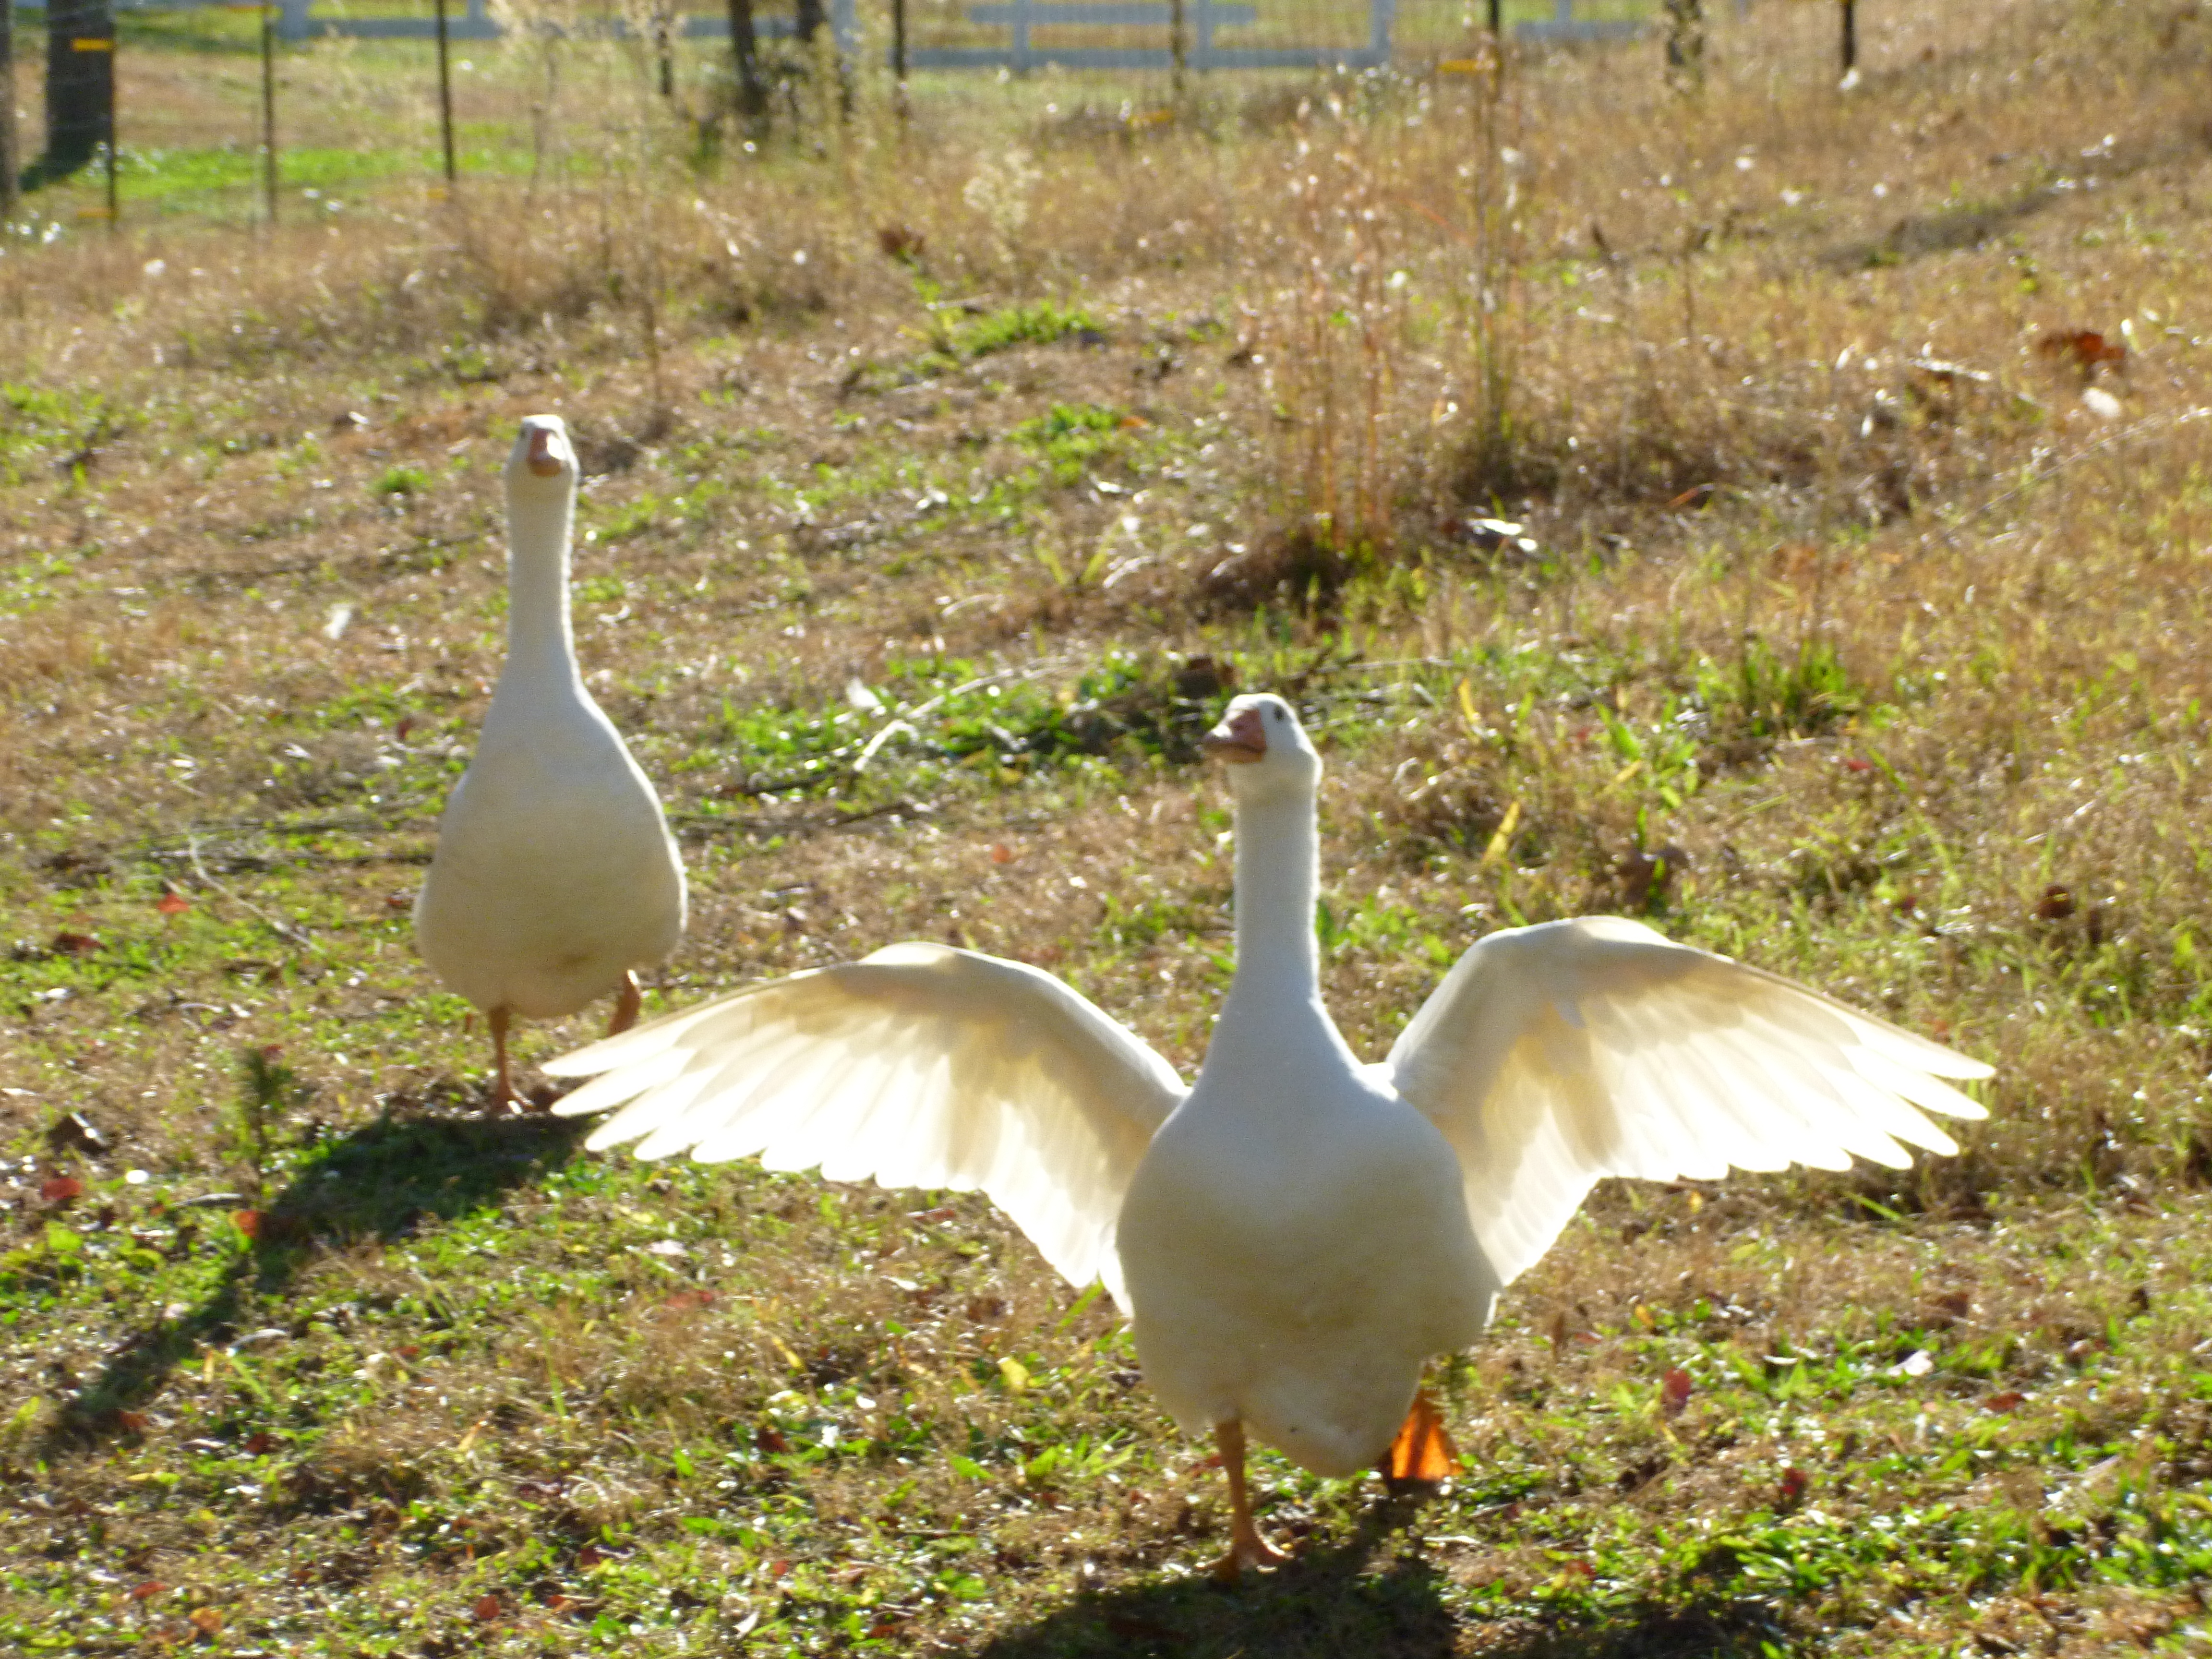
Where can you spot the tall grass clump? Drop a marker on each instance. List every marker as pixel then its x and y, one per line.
pixel 949 460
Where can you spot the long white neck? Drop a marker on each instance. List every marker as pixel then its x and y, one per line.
pixel 539 646
pixel 1274 1002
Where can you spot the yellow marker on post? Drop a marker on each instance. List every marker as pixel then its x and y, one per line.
pixel 84 44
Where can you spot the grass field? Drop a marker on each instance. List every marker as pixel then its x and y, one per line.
pixel 1861 635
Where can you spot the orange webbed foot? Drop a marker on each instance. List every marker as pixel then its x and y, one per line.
pixel 1422 1454
pixel 1249 1550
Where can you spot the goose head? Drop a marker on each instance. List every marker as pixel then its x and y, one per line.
pixel 543 461
pixel 1267 751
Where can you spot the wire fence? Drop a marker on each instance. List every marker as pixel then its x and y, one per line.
pixel 988 33
pixel 363 99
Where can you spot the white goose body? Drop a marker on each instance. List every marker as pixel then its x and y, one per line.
pixel 1295 1235
pixel 1293 1257
pixel 1294 1243
pixel 554 878
pixel 555 874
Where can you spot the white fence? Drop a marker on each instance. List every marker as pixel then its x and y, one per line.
pixel 1564 25
pixel 1203 20
pixel 298 22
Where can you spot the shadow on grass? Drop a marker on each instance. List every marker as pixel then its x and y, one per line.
pixel 1644 1630
pixel 1956 225
pixel 1366 1596
pixel 381 1182
pixel 1351 1598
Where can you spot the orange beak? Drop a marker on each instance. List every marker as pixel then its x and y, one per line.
pixel 1239 739
pixel 541 458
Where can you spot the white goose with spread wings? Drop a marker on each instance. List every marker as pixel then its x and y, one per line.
pixel 1295 1234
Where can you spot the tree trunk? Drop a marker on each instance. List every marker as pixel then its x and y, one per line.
pixel 1685 42
pixel 79 84
pixel 8 164
pixel 744 60
pixel 808 23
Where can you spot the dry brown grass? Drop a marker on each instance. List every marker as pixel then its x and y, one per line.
pixel 1856 642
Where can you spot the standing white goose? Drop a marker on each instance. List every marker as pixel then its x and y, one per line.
pixel 1295 1235
pixel 555 878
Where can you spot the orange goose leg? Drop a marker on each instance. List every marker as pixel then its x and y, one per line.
pixel 1246 1547
pixel 627 1000
pixel 503 1097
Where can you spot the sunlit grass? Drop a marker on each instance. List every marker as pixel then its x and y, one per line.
pixel 1846 639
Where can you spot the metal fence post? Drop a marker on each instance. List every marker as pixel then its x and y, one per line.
pixel 268 110
pixel 114 199
pixel 445 98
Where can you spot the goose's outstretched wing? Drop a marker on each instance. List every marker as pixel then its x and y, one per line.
pixel 1553 1055
pixel 921 1066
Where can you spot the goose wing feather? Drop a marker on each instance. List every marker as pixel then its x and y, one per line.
pixel 921 1066
pixel 1554 1055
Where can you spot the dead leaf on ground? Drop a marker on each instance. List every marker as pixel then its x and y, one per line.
pixel 1645 876
pixel 901 241
pixel 74 1133
pixel 2085 346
